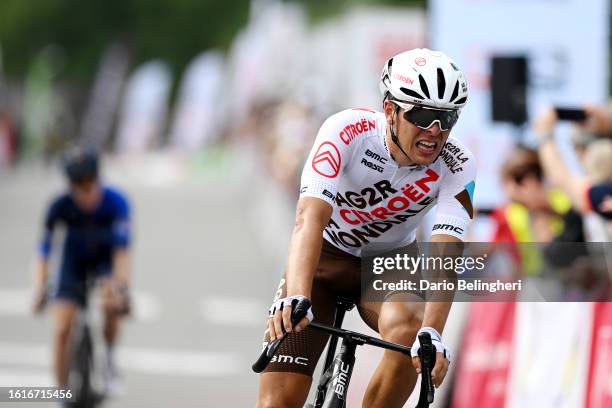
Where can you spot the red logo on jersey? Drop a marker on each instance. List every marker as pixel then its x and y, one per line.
pixel 420 61
pixel 326 160
pixel 353 130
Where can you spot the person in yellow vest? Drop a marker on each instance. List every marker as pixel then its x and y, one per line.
pixel 534 212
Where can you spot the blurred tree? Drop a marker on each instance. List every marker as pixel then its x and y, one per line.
pixel 320 9
pixel 174 30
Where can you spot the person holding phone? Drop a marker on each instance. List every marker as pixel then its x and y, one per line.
pixel 588 197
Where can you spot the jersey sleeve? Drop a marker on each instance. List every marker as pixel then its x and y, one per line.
pixel 455 208
pixel 327 159
pixel 121 227
pixel 51 218
pixel 599 194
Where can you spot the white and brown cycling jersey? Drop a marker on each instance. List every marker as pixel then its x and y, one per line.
pixel 378 205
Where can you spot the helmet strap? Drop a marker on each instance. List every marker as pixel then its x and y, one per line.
pixel 394 137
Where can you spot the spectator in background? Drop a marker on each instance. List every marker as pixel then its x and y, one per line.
pixel 587 194
pixel 599 120
pixel 535 212
pixel 289 138
pixel 8 140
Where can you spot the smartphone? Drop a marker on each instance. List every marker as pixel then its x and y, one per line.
pixel 576 115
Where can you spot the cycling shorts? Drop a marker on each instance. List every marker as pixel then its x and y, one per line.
pixel 338 274
pixel 74 272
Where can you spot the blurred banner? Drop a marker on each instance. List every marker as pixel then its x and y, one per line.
pixel 599 391
pixel 566 66
pixel 264 56
pixel 549 363
pixel 99 117
pixel 39 101
pixel 198 113
pixel 364 44
pixel 487 345
pixel 335 65
pixel 143 114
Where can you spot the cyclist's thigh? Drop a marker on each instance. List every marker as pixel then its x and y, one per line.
pixel 64 312
pixel 285 390
pixel 399 316
pixel 391 306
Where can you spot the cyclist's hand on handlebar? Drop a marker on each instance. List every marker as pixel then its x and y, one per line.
pixel 116 297
pixel 280 314
pixel 443 356
pixel 439 371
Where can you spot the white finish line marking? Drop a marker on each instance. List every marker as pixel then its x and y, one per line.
pixel 191 363
pixel 18 302
pixel 15 301
pixel 227 311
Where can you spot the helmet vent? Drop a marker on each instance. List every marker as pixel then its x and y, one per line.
pixel 441 84
pixel 454 67
pixel 460 101
pixel 424 86
pixel 410 92
pixel 455 91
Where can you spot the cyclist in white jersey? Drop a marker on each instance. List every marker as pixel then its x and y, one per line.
pixel 368 182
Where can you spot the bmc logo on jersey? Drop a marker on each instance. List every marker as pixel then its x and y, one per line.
pixel 326 160
pixel 448 227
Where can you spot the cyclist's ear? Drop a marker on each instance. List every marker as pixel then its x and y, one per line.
pixel 389 108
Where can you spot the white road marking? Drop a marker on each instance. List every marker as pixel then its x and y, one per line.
pixel 18 302
pixel 20 377
pixel 147 307
pixel 15 301
pixel 187 363
pixel 227 311
pixel 193 363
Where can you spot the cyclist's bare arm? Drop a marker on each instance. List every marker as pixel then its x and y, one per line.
pixel 560 174
pixel 311 216
pixel 41 264
pixel 436 311
pixel 121 265
pixel 41 273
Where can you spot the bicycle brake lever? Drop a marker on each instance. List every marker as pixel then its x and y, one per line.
pixel 266 355
pixel 299 311
pixel 428 359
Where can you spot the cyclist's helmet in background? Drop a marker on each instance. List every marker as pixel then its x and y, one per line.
pixel 80 165
pixel 426 78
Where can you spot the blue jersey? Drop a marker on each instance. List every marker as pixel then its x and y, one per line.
pixel 91 236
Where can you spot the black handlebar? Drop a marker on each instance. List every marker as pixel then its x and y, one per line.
pixel 427 354
pixel 427 351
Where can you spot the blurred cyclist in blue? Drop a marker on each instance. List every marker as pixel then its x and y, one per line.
pixel 96 219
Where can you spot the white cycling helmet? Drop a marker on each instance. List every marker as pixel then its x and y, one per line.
pixel 424 77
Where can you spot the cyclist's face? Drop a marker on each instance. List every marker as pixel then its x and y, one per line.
pixel 421 145
pixel 87 194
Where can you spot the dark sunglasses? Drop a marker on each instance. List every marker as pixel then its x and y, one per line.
pixel 424 118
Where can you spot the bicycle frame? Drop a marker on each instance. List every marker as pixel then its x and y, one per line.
pixel 343 305
pixel 343 363
pixel 85 373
